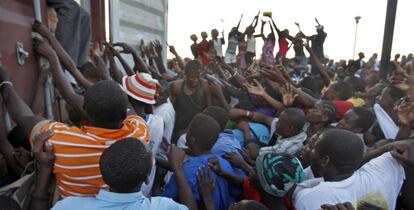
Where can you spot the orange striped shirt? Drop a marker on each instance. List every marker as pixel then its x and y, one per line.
pixel 78 151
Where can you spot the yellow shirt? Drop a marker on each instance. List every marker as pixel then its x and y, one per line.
pixel 357 102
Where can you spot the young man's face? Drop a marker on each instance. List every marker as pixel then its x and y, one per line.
pixel 349 122
pixel 193 78
pixel 204 35
pixel 317 113
pixel 214 33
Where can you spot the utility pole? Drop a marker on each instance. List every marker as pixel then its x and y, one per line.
pixel 357 18
pixel 388 36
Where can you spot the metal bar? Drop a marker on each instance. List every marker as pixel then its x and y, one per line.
pixel 48 88
pixel 388 37
pixel 355 40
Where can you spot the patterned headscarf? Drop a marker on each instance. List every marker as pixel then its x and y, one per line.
pixel 278 173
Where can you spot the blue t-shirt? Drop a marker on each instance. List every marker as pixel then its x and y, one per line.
pixel 223 193
pixel 226 142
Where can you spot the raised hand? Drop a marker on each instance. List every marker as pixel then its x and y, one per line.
pixel 172 50
pixel 256 90
pixel 288 95
pixel 127 49
pixel 157 46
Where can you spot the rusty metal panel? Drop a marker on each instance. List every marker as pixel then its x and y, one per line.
pixel 16 18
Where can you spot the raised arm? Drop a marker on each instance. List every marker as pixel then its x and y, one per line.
pixel 274 25
pixel 19 111
pixel 178 57
pixel 319 65
pixel 110 53
pixel 255 20
pixel 238 24
pixel 261 31
pixel 64 58
pixel 139 63
pixel 75 100
pixel 260 91
pixel 158 59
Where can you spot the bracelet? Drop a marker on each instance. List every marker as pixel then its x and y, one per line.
pixel 5 83
pixel 248 114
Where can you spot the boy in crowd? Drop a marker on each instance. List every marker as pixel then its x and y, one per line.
pixel 287 133
pixel 202 134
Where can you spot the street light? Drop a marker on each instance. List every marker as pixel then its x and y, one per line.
pixel 357 18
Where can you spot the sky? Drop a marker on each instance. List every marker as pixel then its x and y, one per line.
pixel 186 17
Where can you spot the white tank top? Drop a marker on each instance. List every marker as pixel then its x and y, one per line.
pixel 218 47
pixel 251 44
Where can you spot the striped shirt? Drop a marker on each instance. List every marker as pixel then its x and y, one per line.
pixel 78 151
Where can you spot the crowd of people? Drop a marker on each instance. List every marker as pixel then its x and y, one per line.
pixel 218 131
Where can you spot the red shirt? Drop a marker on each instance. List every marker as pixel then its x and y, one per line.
pixel 283 47
pixel 341 107
pixel 203 51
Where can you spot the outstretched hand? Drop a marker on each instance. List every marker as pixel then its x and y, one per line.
pixel 288 95
pixel 256 90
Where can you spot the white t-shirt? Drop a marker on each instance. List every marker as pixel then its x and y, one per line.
pixel 156 126
pixel 378 182
pixel 167 113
